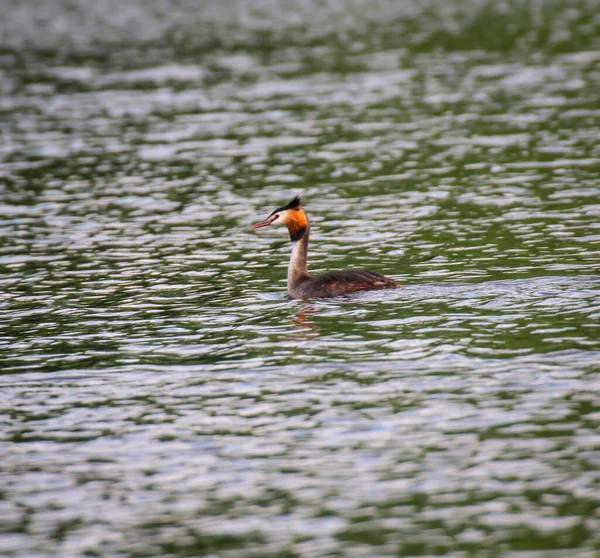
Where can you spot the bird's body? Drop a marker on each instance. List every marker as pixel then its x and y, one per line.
pixel 336 283
pixel 332 283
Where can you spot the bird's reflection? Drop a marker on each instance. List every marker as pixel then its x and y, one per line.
pixel 307 328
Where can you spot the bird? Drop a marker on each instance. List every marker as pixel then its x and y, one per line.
pixel 300 284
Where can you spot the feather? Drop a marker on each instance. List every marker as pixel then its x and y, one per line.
pixel 294 204
pixel 334 283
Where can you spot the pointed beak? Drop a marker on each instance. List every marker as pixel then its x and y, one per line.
pixel 264 223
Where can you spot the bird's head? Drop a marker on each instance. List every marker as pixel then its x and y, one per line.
pixel 291 215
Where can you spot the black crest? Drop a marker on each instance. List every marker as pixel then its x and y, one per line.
pixel 294 204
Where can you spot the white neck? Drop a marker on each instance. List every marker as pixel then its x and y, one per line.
pixel 298 268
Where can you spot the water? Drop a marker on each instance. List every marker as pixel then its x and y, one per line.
pixel 162 397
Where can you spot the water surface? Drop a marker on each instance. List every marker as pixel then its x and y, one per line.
pixel 162 397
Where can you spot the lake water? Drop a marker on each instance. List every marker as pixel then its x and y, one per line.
pixel 160 394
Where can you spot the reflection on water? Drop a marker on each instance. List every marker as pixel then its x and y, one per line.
pixel 162 396
pixel 305 323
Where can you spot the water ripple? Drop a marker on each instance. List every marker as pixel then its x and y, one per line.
pixel 163 397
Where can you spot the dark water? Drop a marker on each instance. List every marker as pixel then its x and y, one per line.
pixel 161 397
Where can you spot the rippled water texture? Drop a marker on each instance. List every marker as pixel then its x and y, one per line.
pixel 162 397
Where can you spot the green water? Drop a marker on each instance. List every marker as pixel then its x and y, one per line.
pixel 162 397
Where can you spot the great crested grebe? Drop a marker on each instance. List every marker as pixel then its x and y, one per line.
pixel 333 283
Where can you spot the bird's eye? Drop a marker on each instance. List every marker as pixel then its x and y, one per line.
pixel 275 217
